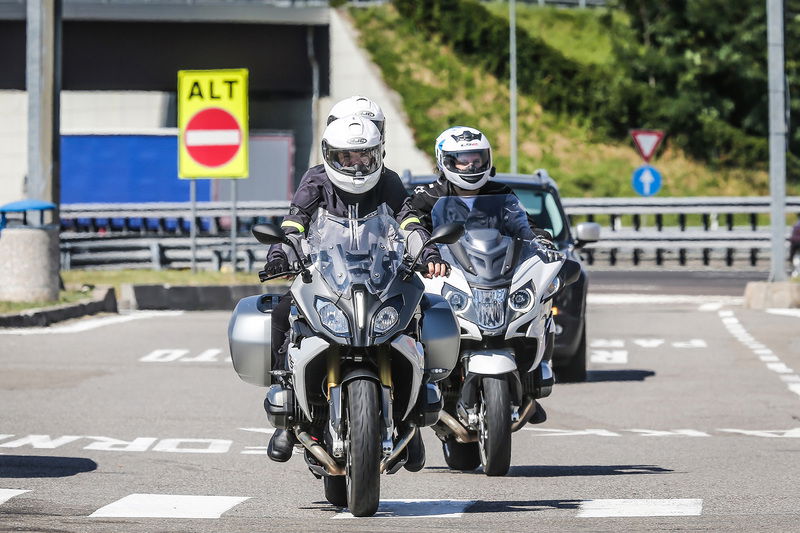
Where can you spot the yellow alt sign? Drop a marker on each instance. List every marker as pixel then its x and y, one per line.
pixel 212 123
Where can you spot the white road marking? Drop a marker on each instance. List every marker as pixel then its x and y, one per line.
pixel 267 431
pixel 785 312
pixel 168 506
pixel 793 378
pixel 40 442
pixel 406 508
pixel 713 306
pixel 607 343
pixel 764 354
pixel 693 343
pixel 163 356
pixel 767 433
pixel 648 343
pixel 656 299
pixel 7 494
pixel 780 368
pixel 208 356
pixel 548 432
pixel 615 357
pixel 650 507
pixel 255 450
pixel 671 433
pixel 196 445
pixel 140 444
pixel 90 323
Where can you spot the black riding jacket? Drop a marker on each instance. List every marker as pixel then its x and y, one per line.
pixel 317 190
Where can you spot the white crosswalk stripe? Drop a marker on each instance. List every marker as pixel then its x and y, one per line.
pixel 7 494
pixel 168 506
pixel 630 508
pixel 407 508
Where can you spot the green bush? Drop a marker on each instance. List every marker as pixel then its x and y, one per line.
pixel 604 95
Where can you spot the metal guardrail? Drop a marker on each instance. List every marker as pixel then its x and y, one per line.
pixel 155 235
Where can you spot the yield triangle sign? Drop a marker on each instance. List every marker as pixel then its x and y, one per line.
pixel 646 142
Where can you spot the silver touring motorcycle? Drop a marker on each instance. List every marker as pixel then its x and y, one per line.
pixel 501 289
pixel 366 350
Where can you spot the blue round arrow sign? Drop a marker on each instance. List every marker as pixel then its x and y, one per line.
pixel 646 180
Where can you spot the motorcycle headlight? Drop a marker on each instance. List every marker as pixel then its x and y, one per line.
pixel 457 299
pixel 521 300
pixel 552 288
pixel 385 319
pixel 332 318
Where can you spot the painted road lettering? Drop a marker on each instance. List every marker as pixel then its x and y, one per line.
pixel 171 355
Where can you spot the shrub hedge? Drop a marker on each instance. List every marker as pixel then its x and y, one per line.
pixel 612 102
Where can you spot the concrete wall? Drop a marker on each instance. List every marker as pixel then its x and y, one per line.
pixel 353 72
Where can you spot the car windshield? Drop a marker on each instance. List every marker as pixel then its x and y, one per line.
pixel 347 251
pixel 497 236
pixel 542 207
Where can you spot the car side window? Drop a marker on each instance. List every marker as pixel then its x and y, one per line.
pixel 543 209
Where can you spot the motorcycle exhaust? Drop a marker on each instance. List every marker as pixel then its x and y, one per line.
pixel 461 433
pixel 321 454
pixel 398 449
pixel 525 414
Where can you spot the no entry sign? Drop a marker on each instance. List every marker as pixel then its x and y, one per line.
pixel 212 119
pixel 212 137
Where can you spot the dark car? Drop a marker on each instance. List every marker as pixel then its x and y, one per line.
pixel 539 194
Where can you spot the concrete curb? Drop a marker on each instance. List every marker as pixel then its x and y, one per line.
pixel 190 297
pixel 765 294
pixel 103 301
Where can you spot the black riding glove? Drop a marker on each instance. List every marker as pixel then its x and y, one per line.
pixel 279 265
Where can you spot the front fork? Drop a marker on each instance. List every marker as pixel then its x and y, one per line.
pixel 334 392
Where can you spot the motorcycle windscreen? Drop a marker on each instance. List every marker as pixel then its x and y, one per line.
pixel 497 236
pixel 348 251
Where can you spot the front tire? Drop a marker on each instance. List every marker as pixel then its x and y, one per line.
pixel 363 448
pixel 494 435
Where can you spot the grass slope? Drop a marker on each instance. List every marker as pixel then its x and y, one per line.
pixel 439 91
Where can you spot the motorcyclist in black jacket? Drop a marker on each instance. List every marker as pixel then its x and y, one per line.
pixel 464 160
pixel 351 182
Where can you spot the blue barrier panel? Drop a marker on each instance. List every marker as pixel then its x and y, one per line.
pixel 124 168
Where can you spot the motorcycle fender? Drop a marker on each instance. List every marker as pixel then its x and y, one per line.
pixel 299 358
pixel 490 362
pixel 411 350
pixel 441 336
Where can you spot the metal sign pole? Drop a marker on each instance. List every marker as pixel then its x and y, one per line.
pixel 193 223
pixel 512 16
pixel 233 224
pixel 777 138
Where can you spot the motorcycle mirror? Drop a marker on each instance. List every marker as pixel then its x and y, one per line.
pixel 447 234
pixel 587 232
pixel 571 271
pixel 268 234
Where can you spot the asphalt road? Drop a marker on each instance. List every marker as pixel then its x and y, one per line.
pixel 690 420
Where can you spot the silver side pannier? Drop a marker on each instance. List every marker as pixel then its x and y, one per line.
pixel 250 338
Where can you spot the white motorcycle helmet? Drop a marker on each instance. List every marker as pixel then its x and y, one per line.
pixel 352 153
pixel 360 106
pixel 464 156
